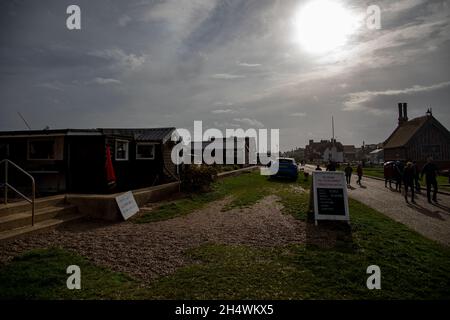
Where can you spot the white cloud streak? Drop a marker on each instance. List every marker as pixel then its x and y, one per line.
pixel 249 65
pixel 249 122
pixel 226 76
pixel 127 61
pixel 357 100
pixel 223 111
pixel 298 114
pixel 105 81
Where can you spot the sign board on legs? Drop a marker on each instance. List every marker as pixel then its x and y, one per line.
pixel 127 205
pixel 330 196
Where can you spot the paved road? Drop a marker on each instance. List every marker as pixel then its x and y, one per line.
pixel 432 221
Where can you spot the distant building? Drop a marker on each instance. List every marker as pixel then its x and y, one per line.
pixel 233 150
pixel 349 153
pixel 325 150
pixel 334 152
pixel 376 156
pixel 314 150
pixel 363 153
pixel 418 139
pixel 298 154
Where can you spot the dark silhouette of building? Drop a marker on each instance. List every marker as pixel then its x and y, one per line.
pixel 73 160
pixel 418 139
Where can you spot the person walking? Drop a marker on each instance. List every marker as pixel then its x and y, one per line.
pixel 408 180
pixel 359 172
pixel 318 168
pixel 348 173
pixel 398 176
pixel 430 171
pixel 416 177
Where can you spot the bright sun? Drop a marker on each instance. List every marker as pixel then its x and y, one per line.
pixel 323 25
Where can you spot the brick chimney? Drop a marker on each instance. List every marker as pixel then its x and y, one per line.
pixel 402 113
pixel 405 111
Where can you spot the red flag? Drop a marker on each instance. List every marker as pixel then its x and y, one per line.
pixel 110 174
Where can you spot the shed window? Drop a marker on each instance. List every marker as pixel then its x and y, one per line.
pixel 121 150
pixel 41 150
pixel 145 151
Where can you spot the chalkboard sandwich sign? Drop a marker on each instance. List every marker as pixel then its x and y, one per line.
pixel 330 196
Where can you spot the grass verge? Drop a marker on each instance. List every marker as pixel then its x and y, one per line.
pixel 41 274
pixel 412 267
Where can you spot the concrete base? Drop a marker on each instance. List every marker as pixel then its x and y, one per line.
pixel 105 206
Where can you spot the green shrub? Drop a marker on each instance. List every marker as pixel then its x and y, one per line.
pixel 198 178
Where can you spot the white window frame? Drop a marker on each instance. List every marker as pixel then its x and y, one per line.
pixel 146 144
pixel 29 141
pixel 127 153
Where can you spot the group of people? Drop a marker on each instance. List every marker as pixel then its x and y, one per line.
pixel 410 175
pixel 348 171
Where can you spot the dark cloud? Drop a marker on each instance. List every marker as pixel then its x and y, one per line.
pixel 229 63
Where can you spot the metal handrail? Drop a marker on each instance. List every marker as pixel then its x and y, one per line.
pixel 6 185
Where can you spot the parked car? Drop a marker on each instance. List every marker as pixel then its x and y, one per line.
pixel 287 168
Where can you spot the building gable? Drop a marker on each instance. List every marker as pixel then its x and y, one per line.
pixel 405 132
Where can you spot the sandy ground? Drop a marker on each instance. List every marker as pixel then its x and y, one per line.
pixel 146 251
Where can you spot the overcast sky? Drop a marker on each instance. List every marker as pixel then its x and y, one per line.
pixel 230 63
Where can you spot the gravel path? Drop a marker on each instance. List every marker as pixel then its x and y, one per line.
pixel 146 251
pixel 432 221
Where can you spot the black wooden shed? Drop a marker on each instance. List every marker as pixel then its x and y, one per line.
pixel 73 160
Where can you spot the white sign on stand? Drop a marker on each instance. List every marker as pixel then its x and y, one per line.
pixel 127 205
pixel 330 196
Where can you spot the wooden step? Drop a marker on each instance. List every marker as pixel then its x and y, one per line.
pixel 23 219
pixel 24 206
pixel 43 225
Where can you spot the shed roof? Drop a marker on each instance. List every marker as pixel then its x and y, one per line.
pixel 404 132
pixel 142 134
pixel 49 132
pixel 139 134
